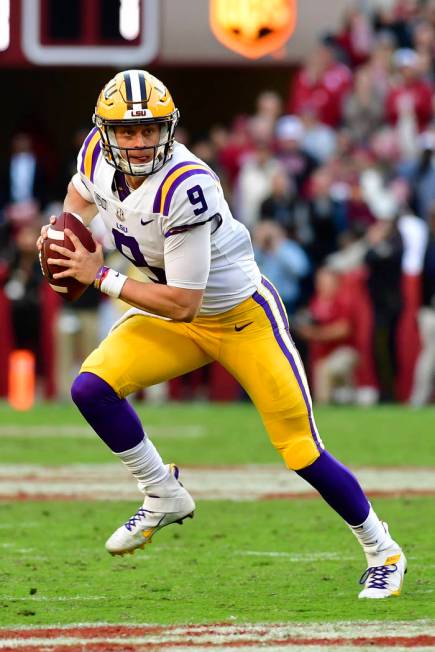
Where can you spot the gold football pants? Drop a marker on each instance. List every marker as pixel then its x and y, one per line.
pixel 251 341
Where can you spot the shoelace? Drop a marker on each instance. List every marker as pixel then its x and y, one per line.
pixel 141 513
pixel 378 576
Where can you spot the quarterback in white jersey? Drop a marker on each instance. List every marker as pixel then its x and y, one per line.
pixel 166 213
pixel 150 224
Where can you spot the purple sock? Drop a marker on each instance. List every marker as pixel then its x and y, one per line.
pixel 339 487
pixel 112 418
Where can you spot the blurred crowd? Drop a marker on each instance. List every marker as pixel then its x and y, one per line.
pixel 335 182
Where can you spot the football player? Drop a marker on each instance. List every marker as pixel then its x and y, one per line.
pixel 207 301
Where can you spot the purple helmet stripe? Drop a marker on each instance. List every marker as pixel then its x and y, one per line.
pixel 284 348
pixel 158 197
pixel 177 182
pixel 85 147
pixel 143 92
pixel 95 154
pixel 128 91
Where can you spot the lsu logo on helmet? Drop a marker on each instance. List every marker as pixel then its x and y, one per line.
pixel 251 27
pixel 135 97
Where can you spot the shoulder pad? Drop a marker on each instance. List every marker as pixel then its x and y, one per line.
pixel 89 153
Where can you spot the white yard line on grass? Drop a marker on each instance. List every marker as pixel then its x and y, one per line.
pixel 250 482
pixel 359 635
pixel 141 645
pixel 299 557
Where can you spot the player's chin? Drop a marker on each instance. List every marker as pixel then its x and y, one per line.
pixel 139 161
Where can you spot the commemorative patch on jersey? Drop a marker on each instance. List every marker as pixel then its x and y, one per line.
pixel 175 177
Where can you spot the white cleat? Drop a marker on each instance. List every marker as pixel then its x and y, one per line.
pixel 385 573
pixel 156 513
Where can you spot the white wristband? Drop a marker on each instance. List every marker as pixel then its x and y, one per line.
pixel 110 282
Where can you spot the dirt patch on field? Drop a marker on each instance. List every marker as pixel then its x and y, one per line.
pixel 251 482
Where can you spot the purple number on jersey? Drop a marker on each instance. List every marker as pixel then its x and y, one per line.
pixel 123 242
pixel 196 196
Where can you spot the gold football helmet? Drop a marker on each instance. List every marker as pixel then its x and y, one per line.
pixel 135 97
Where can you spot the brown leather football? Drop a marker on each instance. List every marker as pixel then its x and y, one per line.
pixel 68 288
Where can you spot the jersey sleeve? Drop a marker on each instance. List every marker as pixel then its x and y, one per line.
pixel 188 197
pixel 187 258
pixel 189 200
pixel 81 187
pixel 87 160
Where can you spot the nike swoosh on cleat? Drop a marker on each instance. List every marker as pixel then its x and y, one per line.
pixel 240 328
pixel 145 223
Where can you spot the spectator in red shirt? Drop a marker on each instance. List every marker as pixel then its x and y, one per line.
pixel 356 36
pixel 238 144
pixel 410 91
pixel 322 83
pixel 328 330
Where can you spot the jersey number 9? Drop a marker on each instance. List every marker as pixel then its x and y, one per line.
pixel 196 196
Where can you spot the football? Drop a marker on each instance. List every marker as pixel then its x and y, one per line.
pixel 69 288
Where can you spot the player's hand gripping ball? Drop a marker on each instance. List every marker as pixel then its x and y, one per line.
pixel 69 288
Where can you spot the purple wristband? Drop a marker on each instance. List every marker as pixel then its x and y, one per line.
pixel 101 275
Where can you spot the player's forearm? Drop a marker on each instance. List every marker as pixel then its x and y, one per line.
pixel 175 303
pixel 75 203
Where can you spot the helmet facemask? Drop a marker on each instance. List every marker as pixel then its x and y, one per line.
pixel 120 157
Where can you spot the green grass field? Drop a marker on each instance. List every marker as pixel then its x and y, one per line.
pixel 226 434
pixel 263 561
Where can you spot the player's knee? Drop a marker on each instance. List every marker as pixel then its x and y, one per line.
pixel 88 390
pixel 300 454
pixel 82 391
pixel 293 438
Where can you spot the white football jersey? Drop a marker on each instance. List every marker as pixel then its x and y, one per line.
pixel 184 194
